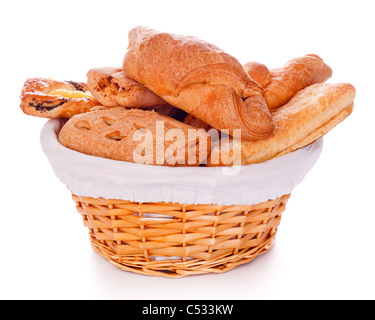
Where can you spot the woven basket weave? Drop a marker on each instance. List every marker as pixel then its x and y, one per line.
pixel 177 240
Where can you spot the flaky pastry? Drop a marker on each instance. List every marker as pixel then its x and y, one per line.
pixel 310 114
pixel 48 98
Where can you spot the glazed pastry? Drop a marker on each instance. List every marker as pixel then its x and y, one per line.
pixel 200 79
pixel 281 84
pixel 48 98
pixel 135 135
pixel 309 115
pixel 112 88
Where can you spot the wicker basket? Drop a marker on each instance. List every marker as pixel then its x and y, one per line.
pixel 157 233
pixel 200 238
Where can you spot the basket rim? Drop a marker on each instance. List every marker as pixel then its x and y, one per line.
pixel 57 123
pixel 96 177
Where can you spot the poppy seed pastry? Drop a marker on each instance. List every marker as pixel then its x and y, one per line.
pixel 48 98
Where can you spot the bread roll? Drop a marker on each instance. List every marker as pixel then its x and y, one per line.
pixel 200 79
pixel 137 136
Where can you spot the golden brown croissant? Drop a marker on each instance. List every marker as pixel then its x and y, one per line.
pixel 199 78
pixel 112 88
pixel 136 135
pixel 310 114
pixel 281 84
pixel 49 98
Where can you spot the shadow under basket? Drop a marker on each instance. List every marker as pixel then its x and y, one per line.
pixel 178 240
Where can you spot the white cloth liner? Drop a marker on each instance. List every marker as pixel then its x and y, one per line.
pixel 96 177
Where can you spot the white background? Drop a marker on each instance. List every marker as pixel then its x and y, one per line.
pixel 325 246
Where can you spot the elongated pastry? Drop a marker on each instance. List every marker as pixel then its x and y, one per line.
pixel 281 84
pixel 112 88
pixel 310 114
pixel 47 98
pixel 136 135
pixel 200 79
pixel 259 73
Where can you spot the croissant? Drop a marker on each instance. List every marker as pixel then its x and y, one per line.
pixel 281 84
pixel 200 79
